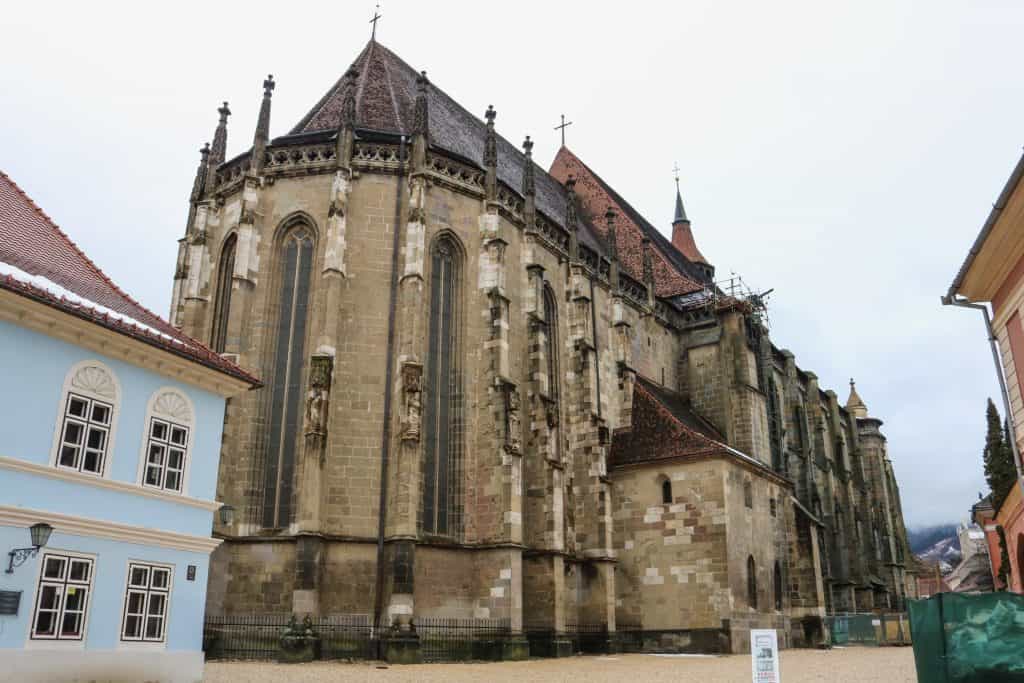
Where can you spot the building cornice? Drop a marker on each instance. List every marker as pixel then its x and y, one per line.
pixel 115 531
pixel 52 322
pixel 17 465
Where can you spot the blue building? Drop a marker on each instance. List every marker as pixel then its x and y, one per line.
pixel 110 436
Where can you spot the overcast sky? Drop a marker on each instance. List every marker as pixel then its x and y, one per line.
pixel 844 154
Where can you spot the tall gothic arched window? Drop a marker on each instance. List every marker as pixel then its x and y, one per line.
pixel 286 376
pixel 442 410
pixel 222 302
pixel 777 585
pixel 751 582
pixel 551 352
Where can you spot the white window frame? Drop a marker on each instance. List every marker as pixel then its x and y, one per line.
pixel 66 585
pixel 147 590
pixel 93 381
pixel 173 407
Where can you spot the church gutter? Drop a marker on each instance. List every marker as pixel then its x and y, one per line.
pixel 385 446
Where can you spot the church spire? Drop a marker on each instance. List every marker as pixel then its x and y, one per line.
pixel 262 136
pixel 219 148
pixel 854 403
pixel 680 216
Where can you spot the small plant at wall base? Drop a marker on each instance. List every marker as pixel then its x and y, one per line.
pixel 1000 472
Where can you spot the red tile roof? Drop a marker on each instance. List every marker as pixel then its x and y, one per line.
pixel 30 241
pixel 671 276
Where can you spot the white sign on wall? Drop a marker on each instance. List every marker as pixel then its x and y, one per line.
pixel 764 655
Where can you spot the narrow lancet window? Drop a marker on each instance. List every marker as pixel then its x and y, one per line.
pixel 286 377
pixel 222 307
pixel 442 414
pixel 551 353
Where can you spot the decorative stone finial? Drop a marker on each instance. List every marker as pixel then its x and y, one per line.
pixel 220 137
pixel 529 186
pixel 854 403
pixel 571 218
pixel 262 135
pixel 490 140
pixel 199 183
pixel 421 115
pixel 648 261
pixel 613 247
pixel 348 98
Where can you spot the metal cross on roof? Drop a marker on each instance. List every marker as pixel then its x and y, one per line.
pixel 563 127
pixel 675 169
pixel 376 18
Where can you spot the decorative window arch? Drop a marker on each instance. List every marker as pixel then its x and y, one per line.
pixel 751 582
pixel 86 424
pixel 666 490
pixel 777 585
pixel 441 511
pixel 222 301
pixel 296 253
pixel 167 441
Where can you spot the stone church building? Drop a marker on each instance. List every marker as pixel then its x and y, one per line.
pixel 497 392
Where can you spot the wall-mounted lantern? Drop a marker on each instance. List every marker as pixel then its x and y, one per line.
pixel 227 515
pixel 40 533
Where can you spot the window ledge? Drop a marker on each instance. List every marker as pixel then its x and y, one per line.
pixel 102 482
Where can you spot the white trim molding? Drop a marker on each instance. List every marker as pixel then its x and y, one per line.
pixel 115 531
pixel 111 484
pixel 52 322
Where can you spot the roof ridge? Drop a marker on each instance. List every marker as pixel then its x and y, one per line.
pixel 391 94
pixel 661 242
pixel 88 261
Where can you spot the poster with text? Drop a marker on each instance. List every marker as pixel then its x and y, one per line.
pixel 764 655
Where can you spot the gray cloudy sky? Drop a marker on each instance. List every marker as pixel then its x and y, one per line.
pixel 845 154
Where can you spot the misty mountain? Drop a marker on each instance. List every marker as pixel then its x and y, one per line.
pixel 936 544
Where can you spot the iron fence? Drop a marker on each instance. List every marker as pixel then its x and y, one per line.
pixel 444 639
pixel 243 636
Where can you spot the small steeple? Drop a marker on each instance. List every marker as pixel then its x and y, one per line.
pixel 262 136
pixel 854 404
pixel 680 216
pixel 490 155
pixel 572 218
pixel 613 249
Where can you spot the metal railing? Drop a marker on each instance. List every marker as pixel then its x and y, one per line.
pixel 444 639
pixel 869 629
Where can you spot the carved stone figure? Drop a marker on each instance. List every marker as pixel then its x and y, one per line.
pixel 319 394
pixel 513 432
pixel 412 374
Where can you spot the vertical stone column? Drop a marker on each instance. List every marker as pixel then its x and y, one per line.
pixel 197 284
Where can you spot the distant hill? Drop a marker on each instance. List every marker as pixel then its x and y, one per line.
pixel 936 544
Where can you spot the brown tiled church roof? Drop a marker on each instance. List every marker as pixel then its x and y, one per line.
pixel 663 427
pixel 385 99
pixel 673 273
pixel 31 242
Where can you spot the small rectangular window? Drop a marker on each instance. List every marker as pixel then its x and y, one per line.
pixel 145 603
pixel 165 455
pixel 62 601
pixel 84 434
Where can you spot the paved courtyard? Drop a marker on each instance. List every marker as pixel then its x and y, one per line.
pixel 849 665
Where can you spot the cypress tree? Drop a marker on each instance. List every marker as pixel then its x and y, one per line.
pixel 1000 472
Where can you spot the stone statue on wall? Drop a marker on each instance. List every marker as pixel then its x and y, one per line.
pixel 513 422
pixel 317 400
pixel 412 401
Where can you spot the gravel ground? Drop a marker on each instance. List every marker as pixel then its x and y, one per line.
pixel 845 665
